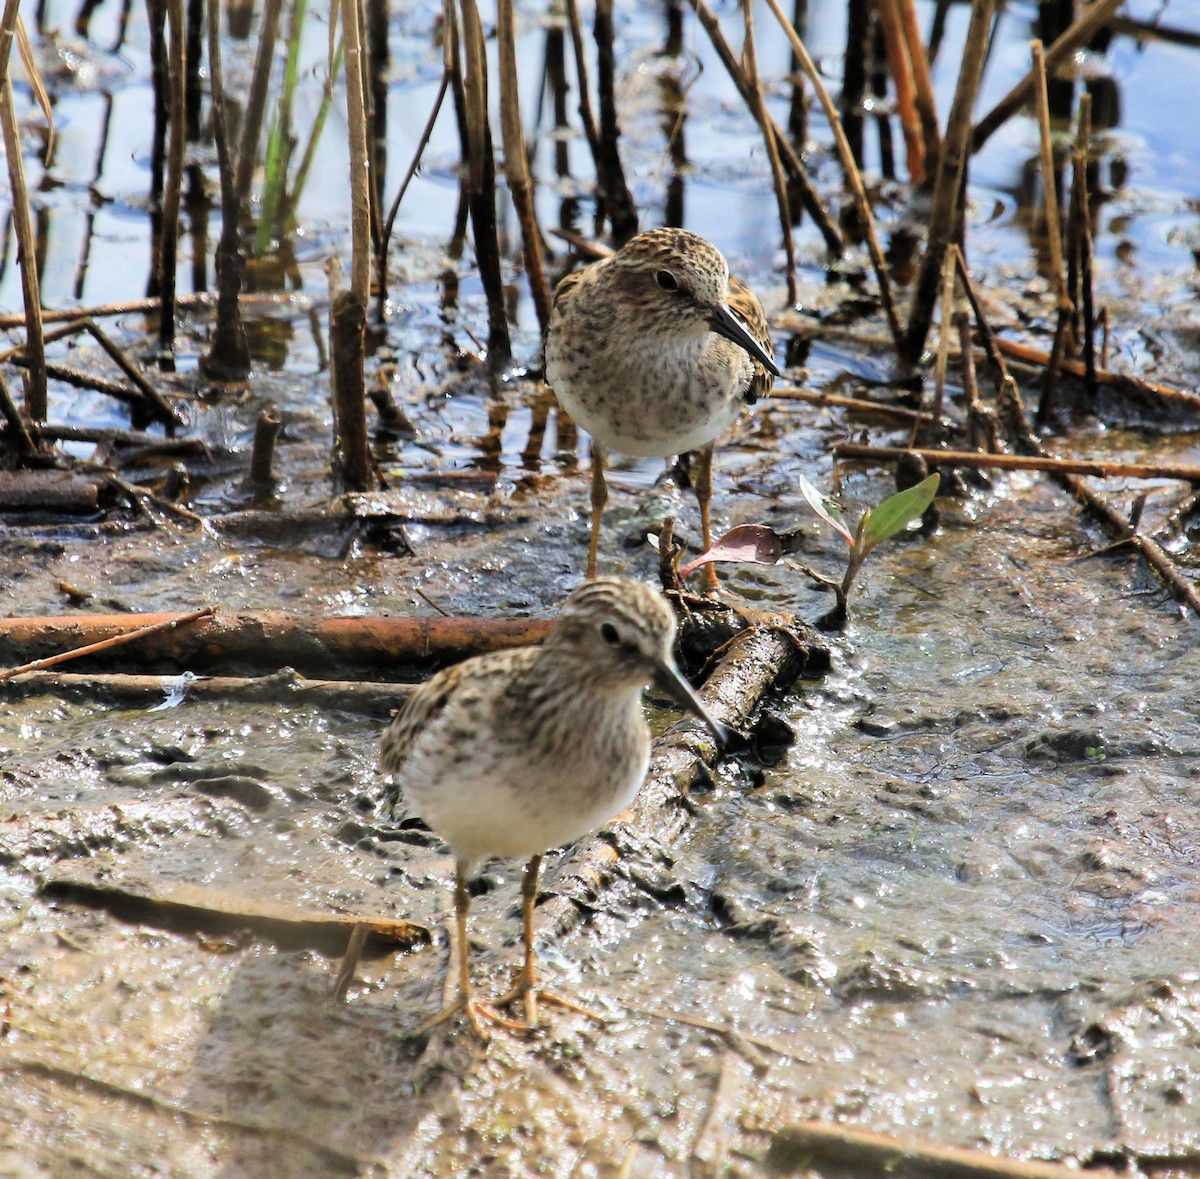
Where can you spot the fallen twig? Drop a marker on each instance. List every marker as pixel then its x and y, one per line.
pixel 358 696
pixel 854 404
pixel 1022 462
pixel 806 1145
pixel 163 625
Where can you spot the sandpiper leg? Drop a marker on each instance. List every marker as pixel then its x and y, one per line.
pixel 525 986
pixel 704 487
pixel 472 1008
pixel 599 499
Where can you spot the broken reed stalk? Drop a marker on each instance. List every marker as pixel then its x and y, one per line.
pixel 853 176
pixel 759 110
pixel 155 405
pixel 148 306
pixel 854 73
pixel 480 164
pixel 1058 278
pixel 943 352
pixel 945 219
pixel 586 118
pixel 358 149
pixel 1083 242
pixel 981 424
pixel 266 431
pixel 228 358
pixel 353 467
pixel 381 256
pixel 256 104
pixel 516 162
pixel 618 201
pixel 900 65
pixel 168 241
pixel 791 161
pixel 1096 17
pixel 924 97
pixel 36 391
pixel 1099 469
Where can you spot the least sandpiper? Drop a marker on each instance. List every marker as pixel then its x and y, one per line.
pixel 655 350
pixel 516 752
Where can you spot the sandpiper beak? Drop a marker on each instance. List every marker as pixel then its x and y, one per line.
pixel 725 323
pixel 672 682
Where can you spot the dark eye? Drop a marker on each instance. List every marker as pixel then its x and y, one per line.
pixel 609 634
pixel 666 280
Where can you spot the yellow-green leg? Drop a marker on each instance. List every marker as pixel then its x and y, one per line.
pixel 464 1001
pixel 525 986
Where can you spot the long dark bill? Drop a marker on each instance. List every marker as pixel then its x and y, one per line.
pixel 725 323
pixel 672 682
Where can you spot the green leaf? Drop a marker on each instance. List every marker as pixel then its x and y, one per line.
pixel 826 509
pixel 897 512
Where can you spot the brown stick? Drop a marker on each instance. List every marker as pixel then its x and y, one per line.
pixel 266 431
pixel 516 162
pixel 201 299
pixel 804 1146
pixel 1022 462
pixel 923 83
pixel 1022 352
pixel 854 404
pixel 127 636
pixel 1096 16
pixel 1058 277
pixel 849 166
pixel 352 463
pixel 758 107
pixel 378 699
pixel 275 639
pixel 1083 245
pixel 16 423
pixel 901 69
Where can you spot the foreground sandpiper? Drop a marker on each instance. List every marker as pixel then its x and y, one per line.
pixel 655 350
pixel 517 752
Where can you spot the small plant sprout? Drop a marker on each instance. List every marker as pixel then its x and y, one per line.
pixel 874 526
pixel 759 545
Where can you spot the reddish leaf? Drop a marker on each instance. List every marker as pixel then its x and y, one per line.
pixel 752 544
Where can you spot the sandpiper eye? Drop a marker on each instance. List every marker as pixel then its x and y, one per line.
pixel 666 280
pixel 609 634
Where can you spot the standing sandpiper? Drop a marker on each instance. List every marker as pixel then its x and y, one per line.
pixel 654 350
pixel 517 752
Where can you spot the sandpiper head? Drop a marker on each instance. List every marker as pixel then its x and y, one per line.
pixel 674 280
pixel 624 631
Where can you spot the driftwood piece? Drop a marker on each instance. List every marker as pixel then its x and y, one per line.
pixel 273 639
pixel 194 906
pixel 844 1150
pixel 757 660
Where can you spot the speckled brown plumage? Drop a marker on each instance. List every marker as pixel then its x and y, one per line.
pixel 517 752
pixel 655 350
